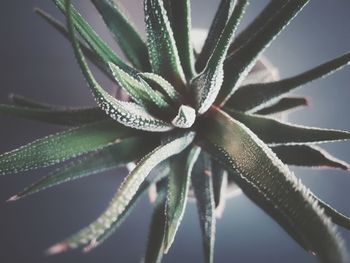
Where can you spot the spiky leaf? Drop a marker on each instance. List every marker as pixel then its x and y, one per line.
pixel 254 96
pixel 311 156
pixel 206 85
pixel 221 17
pixel 241 61
pixel 202 183
pixel 179 183
pixel 127 190
pixel 257 170
pixel 282 105
pixel 62 146
pixel 162 48
pixel 272 131
pixel 108 158
pixel 124 33
pixel 219 186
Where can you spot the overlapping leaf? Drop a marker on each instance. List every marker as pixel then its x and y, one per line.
pixel 266 180
pixel 125 33
pixel 255 96
pixel 202 183
pixel 110 157
pixel 62 146
pixel 272 131
pixel 241 61
pixel 206 85
pixel 310 156
pixel 126 191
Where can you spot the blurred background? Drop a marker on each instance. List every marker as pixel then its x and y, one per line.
pixel 35 61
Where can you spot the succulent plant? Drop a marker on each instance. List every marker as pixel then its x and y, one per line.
pixel 197 119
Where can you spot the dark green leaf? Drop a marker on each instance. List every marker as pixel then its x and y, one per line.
pixel 241 61
pixel 217 27
pixel 126 192
pixel 219 185
pixel 92 39
pixel 267 181
pixel 62 146
pixel 124 33
pixel 179 13
pixel 254 96
pixel 110 157
pixel 162 48
pixel 91 55
pixel 202 183
pixel 179 183
pixel 304 155
pixel 272 131
pixel 19 100
pixel 282 105
pixel 155 243
pixel 127 113
pixel 206 86
pixel 73 117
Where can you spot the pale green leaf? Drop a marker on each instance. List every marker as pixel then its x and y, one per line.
pixel 207 84
pixel 273 132
pixel 310 156
pixel 185 117
pixel 178 186
pixel 124 33
pixel 62 146
pixel 265 179
pixel 162 50
pixel 241 61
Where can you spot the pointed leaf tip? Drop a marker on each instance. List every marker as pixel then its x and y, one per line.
pixel 57 249
pixel 13 198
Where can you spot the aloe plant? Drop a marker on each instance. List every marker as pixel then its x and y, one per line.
pixel 198 119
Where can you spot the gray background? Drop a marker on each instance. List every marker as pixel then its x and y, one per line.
pixel 36 62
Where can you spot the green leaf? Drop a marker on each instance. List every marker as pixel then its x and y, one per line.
pixel 73 117
pixel 155 243
pixel 275 132
pixel 202 183
pixel 159 178
pixel 241 61
pixel 219 182
pixel 179 14
pixel 126 191
pixel 124 33
pixel 185 117
pixel 138 89
pixel 162 50
pixel 62 146
pixel 19 100
pixel 206 86
pixel 282 105
pixel 337 217
pixel 179 183
pixel 310 156
pixel 255 96
pixel 108 158
pixel 267 181
pixel 217 27
pixel 127 113
pixel 163 86
pixel 91 38
pixel 91 55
